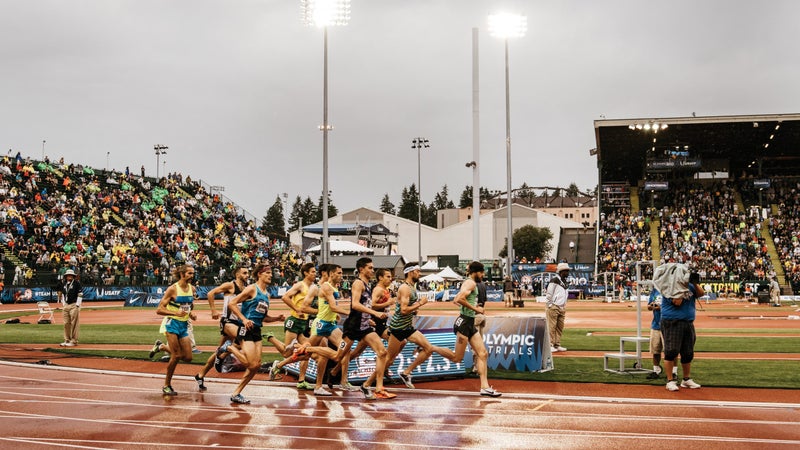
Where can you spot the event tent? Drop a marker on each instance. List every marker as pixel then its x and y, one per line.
pixel 343 247
pixel 449 274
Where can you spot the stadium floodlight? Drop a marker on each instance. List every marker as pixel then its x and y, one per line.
pixel 418 144
pixel 506 26
pixel 323 14
pixel 160 150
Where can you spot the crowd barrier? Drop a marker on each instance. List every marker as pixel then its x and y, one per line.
pixel 518 344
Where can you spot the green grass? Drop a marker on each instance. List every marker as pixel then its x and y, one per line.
pixel 709 372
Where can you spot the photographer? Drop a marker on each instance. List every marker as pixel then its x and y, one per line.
pixel 677 330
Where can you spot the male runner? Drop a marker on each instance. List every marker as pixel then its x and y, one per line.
pixel 251 306
pixel 464 326
pixel 297 323
pixel 357 327
pixel 401 329
pixel 228 290
pixel 176 305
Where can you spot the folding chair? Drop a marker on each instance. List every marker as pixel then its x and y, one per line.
pixel 45 312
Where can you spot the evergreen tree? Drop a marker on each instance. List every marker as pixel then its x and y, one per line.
pixel 273 220
pixel 311 213
pixel 408 203
pixel 465 201
pixel 442 200
pixel 296 215
pixel 573 191
pixel 387 206
pixel 429 215
pixel 332 210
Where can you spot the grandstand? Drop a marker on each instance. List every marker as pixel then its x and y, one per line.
pixel 719 193
pixel 120 229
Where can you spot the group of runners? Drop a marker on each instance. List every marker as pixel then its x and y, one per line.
pixel 312 330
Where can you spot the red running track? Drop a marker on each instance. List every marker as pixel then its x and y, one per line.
pixel 45 407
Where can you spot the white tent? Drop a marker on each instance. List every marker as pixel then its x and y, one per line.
pixel 429 266
pixel 343 247
pixel 449 274
pixel 432 277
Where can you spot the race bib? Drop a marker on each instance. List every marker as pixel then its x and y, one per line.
pixel 186 308
pixel 262 307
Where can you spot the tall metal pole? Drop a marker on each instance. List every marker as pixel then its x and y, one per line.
pixel 510 253
pixel 419 204
pixel 476 150
pixel 43 142
pixel 325 240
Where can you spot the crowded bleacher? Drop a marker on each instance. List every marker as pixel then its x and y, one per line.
pixel 121 229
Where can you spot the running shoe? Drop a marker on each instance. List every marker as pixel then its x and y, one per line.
pixel 167 390
pixel 156 348
pixel 196 351
pixel 273 371
pixel 406 379
pixel 490 392
pixel 322 392
pixel 689 383
pixel 64 344
pixel 384 394
pixel 268 334
pixel 561 349
pixel 218 364
pixel 368 394
pixel 553 349
pixel 70 344
pixel 200 382
pixel 348 387
pixel 298 352
pixel 224 348
pixel 238 398
pixel 304 385
pixel 672 386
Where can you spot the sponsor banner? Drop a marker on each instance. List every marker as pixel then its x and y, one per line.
pixel 656 185
pixel 28 295
pixel 762 183
pixel 519 344
pixel 688 163
pixel 540 274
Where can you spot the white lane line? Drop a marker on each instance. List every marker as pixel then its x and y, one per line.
pixel 519 396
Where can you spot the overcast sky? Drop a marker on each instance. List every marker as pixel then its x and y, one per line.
pixel 234 87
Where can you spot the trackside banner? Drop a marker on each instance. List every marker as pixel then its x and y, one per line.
pixel 132 295
pixel 514 343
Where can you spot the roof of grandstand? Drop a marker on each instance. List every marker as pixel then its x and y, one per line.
pixel 630 149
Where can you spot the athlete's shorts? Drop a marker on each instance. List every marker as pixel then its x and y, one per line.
pixel 356 334
pixel 380 326
pixel 224 321
pixel 177 327
pixel 253 334
pixel 295 325
pixel 465 325
pixel 656 342
pixel 309 325
pixel 322 328
pixel 402 334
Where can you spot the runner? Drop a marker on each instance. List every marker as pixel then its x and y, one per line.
pixel 464 327
pixel 176 306
pixel 401 330
pixel 325 325
pixel 357 327
pixel 381 301
pixel 228 290
pixel 297 323
pixel 251 306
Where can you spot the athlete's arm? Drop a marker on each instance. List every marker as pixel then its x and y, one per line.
pixel 287 297
pixel 461 298
pixel 223 289
pixel 233 306
pixel 169 295
pixel 312 293
pixel 358 288
pixel 327 293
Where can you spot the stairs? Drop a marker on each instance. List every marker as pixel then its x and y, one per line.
pixel 634 200
pixel 655 243
pixel 739 202
pixel 777 266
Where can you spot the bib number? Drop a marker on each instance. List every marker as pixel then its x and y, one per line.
pixel 186 308
pixel 289 323
pixel 262 307
pixel 459 321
